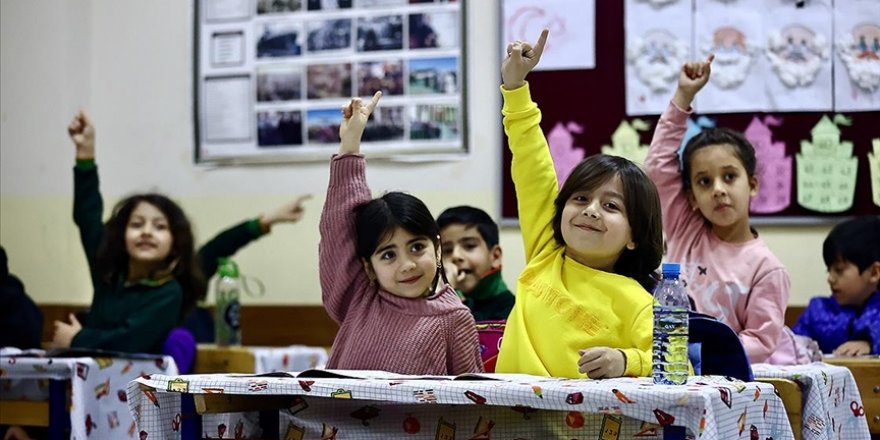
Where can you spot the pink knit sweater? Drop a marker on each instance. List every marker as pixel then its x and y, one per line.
pixel 433 335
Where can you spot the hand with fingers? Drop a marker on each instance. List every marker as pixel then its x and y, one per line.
pixel 82 133
pixel 453 274
pixel 853 348
pixel 290 212
pixel 691 79
pixel 64 332
pixel 354 120
pixel 521 58
pixel 602 362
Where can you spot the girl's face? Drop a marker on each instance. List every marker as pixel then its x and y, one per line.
pixel 148 237
pixel 595 226
pixel 404 264
pixel 721 189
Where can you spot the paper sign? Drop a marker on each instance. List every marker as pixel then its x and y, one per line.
pixel 773 170
pixel 566 155
pixel 625 142
pixel 826 168
pixel 874 166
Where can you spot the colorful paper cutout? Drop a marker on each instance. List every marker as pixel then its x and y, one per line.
pixel 625 141
pixel 773 170
pixel 694 128
pixel 826 168
pixel 566 155
pixel 874 166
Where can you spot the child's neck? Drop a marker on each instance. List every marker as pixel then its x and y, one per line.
pixel 739 232
pixel 139 271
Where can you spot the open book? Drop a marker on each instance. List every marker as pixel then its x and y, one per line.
pixel 386 375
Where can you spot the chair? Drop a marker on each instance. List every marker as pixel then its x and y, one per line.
pixel 721 352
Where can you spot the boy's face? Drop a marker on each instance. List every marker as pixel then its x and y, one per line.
pixel 849 287
pixel 464 247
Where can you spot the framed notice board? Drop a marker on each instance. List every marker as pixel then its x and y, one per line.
pixel 594 100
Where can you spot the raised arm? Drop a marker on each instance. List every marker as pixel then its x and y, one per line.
pixel 88 206
pixel 532 170
pixel 230 241
pixel 341 271
pixel 662 163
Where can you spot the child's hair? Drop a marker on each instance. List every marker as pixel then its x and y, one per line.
pixel 856 241
pixel 642 204
pixel 743 149
pixel 470 216
pixel 111 260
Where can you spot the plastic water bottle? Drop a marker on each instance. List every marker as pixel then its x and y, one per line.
pixel 670 351
pixel 227 307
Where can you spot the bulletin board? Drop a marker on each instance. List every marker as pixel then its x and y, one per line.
pixel 271 75
pixel 595 101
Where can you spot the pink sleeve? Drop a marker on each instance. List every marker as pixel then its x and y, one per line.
pixel 763 315
pixel 464 345
pixel 343 280
pixel 663 167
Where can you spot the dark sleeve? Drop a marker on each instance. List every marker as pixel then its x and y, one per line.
pixel 226 244
pixel 88 207
pixel 144 330
pixel 866 328
pixel 804 324
pixel 21 321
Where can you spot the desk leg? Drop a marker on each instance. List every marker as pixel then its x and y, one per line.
pixel 674 432
pixel 269 421
pixel 59 418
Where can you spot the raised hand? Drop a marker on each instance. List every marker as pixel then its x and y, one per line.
pixel 82 133
pixel 601 362
pixel 691 79
pixel 290 212
pixel 521 58
pixel 354 119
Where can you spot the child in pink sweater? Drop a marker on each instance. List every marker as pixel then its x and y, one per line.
pixel 730 272
pixel 381 272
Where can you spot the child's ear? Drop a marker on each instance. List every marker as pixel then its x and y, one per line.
pixel 368 268
pixel 632 245
pixel 495 255
pixel 753 186
pixel 874 272
pixel 692 200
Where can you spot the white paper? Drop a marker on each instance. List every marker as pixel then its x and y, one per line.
pixel 228 109
pixel 799 53
pixel 658 42
pixel 227 49
pixel 857 55
pixel 572 24
pixel 732 31
pixel 226 10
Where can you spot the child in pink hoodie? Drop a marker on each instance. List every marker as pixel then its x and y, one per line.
pixel 731 274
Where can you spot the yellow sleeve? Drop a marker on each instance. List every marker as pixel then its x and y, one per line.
pixel 532 169
pixel 638 359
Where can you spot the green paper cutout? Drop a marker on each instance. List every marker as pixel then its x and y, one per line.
pixel 826 168
pixel 874 166
pixel 625 141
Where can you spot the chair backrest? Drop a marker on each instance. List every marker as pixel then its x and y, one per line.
pixel 181 346
pixel 721 351
pixel 490 334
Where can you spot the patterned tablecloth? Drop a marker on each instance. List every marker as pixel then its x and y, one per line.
pixel 832 404
pixel 98 407
pixel 503 406
pixel 292 358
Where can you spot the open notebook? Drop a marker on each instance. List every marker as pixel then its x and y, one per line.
pixel 386 375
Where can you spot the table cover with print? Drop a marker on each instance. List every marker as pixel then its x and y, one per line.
pixel 476 406
pixel 98 407
pixel 291 358
pixel 832 404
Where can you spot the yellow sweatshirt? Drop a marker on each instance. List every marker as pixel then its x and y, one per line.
pixel 561 305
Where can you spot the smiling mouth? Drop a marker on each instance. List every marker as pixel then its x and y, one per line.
pixel 588 228
pixel 411 280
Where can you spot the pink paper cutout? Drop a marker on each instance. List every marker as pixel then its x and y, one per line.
pixel 774 168
pixel 566 155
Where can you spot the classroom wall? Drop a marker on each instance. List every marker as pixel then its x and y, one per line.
pixel 130 64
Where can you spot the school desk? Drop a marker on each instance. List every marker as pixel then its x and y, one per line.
pixel 211 358
pixel 866 371
pixel 97 387
pixel 502 406
pixel 831 408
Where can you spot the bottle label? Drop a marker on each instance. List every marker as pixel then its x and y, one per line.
pixel 231 316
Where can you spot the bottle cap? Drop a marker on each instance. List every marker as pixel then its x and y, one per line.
pixel 670 269
pixel 227 267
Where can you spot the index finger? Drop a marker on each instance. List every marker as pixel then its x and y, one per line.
pixel 710 59
pixel 542 40
pixel 303 198
pixel 374 102
pixel 85 117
